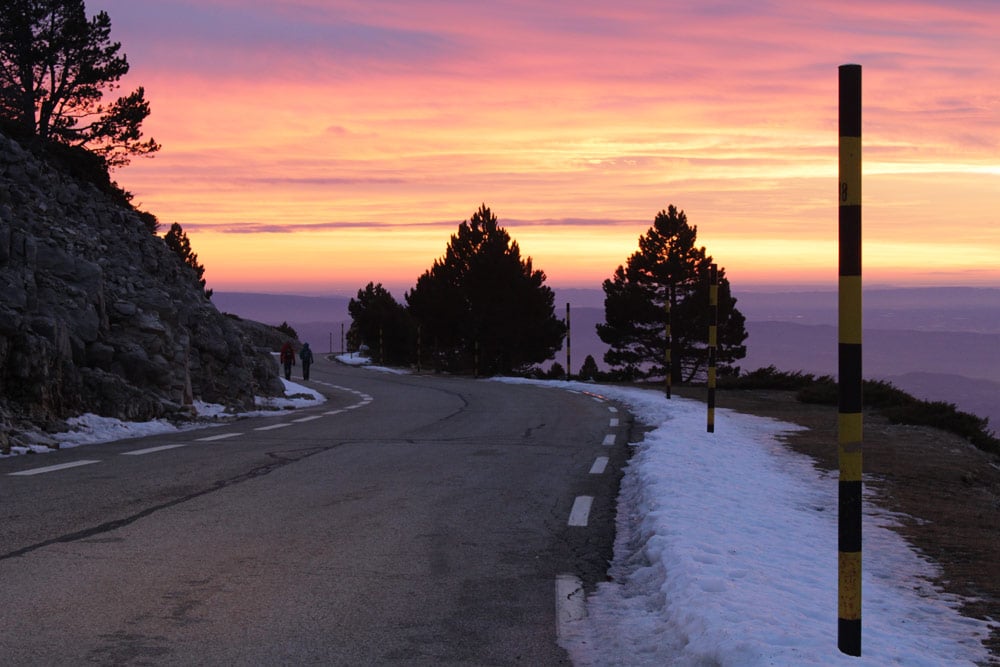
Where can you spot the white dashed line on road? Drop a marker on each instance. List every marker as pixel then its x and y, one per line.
pixel 609 440
pixel 302 420
pixel 600 465
pixel 212 438
pixel 61 466
pixel 571 602
pixel 151 450
pixel 272 427
pixel 580 514
pixel 614 422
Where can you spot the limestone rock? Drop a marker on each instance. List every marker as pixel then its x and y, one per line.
pixel 98 315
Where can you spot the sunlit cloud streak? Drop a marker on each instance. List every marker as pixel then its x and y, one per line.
pixel 575 122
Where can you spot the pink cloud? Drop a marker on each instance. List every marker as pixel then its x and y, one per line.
pixel 298 113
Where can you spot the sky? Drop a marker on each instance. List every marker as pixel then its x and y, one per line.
pixel 312 146
pixel 688 585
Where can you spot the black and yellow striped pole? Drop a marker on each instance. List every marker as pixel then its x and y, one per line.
pixel 666 353
pixel 849 423
pixel 713 339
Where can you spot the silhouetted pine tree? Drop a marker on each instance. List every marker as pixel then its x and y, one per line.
pixel 482 306
pixel 668 268
pixel 382 324
pixel 178 241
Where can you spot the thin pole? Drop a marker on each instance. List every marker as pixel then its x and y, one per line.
pixel 849 430
pixel 667 360
pixel 568 366
pixel 713 339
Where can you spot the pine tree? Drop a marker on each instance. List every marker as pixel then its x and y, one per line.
pixel 482 306
pixel 589 369
pixel 669 269
pixel 178 241
pixel 56 66
pixel 383 325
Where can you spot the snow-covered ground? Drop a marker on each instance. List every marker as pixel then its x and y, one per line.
pixel 88 429
pixel 726 554
pixel 726 551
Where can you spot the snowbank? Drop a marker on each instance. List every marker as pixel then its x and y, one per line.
pixel 726 554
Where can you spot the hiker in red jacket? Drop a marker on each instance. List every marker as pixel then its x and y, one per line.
pixel 287 358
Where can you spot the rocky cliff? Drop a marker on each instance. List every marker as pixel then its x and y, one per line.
pixel 98 315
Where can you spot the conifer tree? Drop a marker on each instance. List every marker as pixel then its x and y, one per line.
pixel 589 369
pixel 668 268
pixel 482 306
pixel 56 66
pixel 382 324
pixel 178 241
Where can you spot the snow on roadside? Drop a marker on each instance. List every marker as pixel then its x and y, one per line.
pixel 726 554
pixel 354 359
pixel 89 429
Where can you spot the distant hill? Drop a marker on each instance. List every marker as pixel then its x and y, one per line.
pixel 277 308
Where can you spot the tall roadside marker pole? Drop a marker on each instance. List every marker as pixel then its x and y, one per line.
pixel 666 354
pixel 568 366
pixel 713 339
pixel 849 422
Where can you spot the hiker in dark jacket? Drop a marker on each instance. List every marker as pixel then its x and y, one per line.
pixel 306 355
pixel 287 358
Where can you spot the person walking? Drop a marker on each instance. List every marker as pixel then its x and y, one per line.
pixel 306 356
pixel 287 358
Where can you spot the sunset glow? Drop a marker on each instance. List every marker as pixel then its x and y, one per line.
pixel 313 146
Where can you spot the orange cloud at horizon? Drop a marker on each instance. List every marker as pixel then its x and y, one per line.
pixel 316 146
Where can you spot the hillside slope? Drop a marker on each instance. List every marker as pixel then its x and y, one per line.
pixel 98 315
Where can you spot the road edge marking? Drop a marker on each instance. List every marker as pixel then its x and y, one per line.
pixel 571 602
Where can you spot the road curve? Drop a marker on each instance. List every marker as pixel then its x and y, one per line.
pixel 410 519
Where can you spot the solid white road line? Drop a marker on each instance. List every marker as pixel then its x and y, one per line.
pixel 61 466
pixel 580 514
pixel 600 464
pixel 219 437
pixel 271 427
pixel 609 440
pixel 571 602
pixel 150 450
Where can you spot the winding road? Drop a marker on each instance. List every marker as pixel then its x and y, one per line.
pixel 410 519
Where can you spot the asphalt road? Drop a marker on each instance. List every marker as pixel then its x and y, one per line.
pixel 411 519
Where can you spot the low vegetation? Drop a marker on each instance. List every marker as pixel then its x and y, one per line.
pixel 887 400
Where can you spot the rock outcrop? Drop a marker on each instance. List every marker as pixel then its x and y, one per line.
pixel 98 315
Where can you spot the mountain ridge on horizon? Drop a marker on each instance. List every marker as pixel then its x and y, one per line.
pixel 911 337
